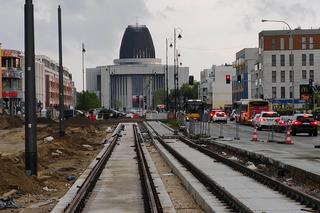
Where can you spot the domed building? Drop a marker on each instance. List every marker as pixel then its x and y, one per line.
pixel 136 79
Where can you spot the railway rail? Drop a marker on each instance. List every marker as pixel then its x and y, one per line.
pixel 303 202
pixel 80 199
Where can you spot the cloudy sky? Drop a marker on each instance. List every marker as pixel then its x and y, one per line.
pixel 213 30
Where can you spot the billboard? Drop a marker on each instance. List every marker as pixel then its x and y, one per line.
pixel 305 92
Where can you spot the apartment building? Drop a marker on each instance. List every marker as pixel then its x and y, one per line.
pixel 244 65
pixel 205 87
pixel 50 83
pixel 12 75
pixel 286 65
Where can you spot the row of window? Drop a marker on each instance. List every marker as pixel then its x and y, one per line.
pixel 303 43
pixel 282 92
pixel 283 75
pixel 291 60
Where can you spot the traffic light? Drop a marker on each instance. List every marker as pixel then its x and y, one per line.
pixel 191 79
pixel 227 79
pixel 239 79
pixel 145 99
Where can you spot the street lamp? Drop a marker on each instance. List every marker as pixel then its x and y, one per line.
pixel 168 40
pixel 83 52
pixel 291 55
pixel 176 79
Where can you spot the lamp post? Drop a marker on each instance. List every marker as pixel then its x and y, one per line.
pixel 167 80
pixel 175 70
pixel 291 55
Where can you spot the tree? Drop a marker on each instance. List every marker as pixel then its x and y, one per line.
pixel 159 97
pixel 87 100
pixel 186 92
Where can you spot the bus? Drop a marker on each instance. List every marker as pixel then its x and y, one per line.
pixel 247 108
pixel 194 109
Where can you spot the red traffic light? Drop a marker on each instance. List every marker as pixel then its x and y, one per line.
pixel 227 79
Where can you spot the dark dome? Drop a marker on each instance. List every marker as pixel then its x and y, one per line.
pixel 137 43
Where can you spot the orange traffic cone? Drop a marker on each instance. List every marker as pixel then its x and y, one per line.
pixel 288 138
pixel 254 135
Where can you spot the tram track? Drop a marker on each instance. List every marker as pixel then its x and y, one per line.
pixel 310 203
pixel 78 203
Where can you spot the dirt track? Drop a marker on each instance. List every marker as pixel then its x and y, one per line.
pixel 63 157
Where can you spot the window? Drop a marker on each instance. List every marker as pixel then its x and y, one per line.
pixel 282 60
pixel 274 92
pixel 303 43
pixel 291 92
pixel 291 59
pixel 291 75
pixel 304 74
pixel 274 76
pixel 304 59
pixel 283 92
pixel 283 74
pixel 290 43
pixel 311 75
pixel 282 43
pixel 273 44
pixel 311 43
pixel 274 60
pixel 311 61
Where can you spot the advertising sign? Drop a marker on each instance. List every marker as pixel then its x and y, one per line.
pixel 305 92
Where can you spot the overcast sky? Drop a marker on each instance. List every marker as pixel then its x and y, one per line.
pixel 212 30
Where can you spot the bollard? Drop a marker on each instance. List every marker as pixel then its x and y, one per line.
pixel 254 135
pixel 272 135
pixel 221 131
pixel 237 132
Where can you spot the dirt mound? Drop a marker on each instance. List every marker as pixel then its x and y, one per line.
pixel 7 121
pixel 42 120
pixel 79 121
pixel 13 176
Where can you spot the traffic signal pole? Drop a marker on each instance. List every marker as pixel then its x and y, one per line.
pixel 31 159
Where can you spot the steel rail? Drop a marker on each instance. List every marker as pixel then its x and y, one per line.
pixel 151 202
pixel 77 204
pixel 290 192
pixel 215 188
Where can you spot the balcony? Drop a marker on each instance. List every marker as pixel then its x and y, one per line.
pixel 9 72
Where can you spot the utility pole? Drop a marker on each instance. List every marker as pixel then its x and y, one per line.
pixel 31 159
pixel 61 92
pixel 174 69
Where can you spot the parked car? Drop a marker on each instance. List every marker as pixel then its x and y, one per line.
pixel 219 117
pixel 70 113
pixel 105 114
pixel 267 120
pixel 255 119
pixel 283 123
pixel 304 123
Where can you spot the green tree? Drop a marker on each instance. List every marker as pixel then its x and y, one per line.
pixel 159 97
pixel 87 100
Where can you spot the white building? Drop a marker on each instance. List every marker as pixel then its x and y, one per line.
pixel 277 71
pixel 214 86
pixel 135 75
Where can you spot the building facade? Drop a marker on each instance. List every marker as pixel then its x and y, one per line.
pixel 205 87
pixel 137 78
pixel 214 88
pixel 286 65
pixel 12 75
pixel 246 59
pixel 48 83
